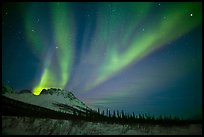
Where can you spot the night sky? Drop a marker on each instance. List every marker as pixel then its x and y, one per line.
pixel 139 57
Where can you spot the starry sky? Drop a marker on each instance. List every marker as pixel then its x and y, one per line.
pixel 142 57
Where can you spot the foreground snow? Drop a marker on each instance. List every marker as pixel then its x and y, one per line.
pixel 35 126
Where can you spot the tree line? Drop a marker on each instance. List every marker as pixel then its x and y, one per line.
pixel 119 117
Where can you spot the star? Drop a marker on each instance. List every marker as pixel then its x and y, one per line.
pixel 113 10
pixel 193 59
pixel 169 43
pixel 106 54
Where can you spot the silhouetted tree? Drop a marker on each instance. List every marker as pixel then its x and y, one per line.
pixel 118 114
pixel 133 115
pixel 103 113
pixel 122 114
pixel 114 115
pixel 98 111
pixel 109 114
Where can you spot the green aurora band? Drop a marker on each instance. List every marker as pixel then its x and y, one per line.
pixel 62 27
pixel 153 38
pixel 159 34
pixel 62 31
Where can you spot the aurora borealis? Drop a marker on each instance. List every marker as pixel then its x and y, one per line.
pixel 136 56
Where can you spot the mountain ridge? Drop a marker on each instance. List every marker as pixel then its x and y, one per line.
pixel 49 98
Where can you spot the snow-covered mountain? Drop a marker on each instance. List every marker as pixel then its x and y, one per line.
pixel 54 99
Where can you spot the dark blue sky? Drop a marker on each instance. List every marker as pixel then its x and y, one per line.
pixel 139 57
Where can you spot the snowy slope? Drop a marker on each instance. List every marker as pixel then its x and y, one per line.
pixel 48 99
